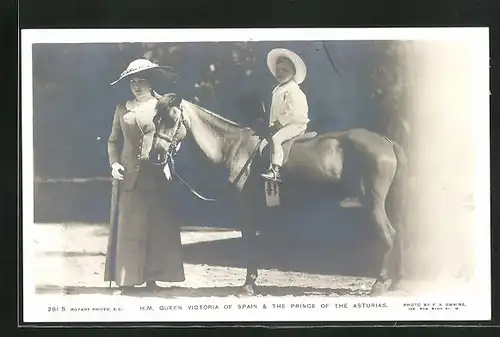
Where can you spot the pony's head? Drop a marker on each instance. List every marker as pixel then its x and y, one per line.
pixel 170 126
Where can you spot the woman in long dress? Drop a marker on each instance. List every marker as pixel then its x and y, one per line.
pixel 144 244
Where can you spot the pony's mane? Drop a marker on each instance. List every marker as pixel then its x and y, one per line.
pixel 213 114
pixel 173 99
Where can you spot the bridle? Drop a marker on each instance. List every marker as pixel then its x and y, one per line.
pixel 168 157
pixel 174 141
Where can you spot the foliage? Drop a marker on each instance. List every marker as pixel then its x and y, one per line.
pixel 391 89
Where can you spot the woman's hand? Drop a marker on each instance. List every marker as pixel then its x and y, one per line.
pixel 116 171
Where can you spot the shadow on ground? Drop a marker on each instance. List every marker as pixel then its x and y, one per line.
pixel 306 242
pixel 322 238
pixel 346 248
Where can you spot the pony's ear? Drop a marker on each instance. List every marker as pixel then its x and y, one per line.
pixel 170 100
pixel 161 108
pixel 176 101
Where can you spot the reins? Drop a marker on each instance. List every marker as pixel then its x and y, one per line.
pixel 172 150
pixel 171 163
pixel 169 157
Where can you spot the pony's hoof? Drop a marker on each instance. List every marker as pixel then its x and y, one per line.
pixel 153 287
pixel 153 290
pixel 126 290
pixel 248 290
pixel 378 289
pixel 395 286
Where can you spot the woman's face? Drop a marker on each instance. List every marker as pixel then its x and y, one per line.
pixel 284 70
pixel 139 86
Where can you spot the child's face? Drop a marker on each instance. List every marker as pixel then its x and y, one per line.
pixel 284 71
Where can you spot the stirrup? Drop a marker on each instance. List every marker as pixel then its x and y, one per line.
pixel 271 175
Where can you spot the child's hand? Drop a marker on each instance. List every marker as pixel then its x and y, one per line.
pixel 273 128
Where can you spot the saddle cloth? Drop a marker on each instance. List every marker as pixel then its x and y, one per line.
pixel 264 149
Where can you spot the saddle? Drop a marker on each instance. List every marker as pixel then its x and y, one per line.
pixel 264 149
pixel 271 187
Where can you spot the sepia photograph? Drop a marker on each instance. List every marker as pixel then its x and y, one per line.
pixel 232 175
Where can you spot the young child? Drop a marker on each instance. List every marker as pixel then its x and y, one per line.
pixel 289 110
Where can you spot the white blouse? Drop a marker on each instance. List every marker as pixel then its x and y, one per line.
pixel 289 105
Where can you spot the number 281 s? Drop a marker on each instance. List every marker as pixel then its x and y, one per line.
pixel 56 309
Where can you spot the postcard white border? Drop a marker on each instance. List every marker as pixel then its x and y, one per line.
pixel 478 306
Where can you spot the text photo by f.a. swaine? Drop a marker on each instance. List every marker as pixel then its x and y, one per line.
pixel 342 168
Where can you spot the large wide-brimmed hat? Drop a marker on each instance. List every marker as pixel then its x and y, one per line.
pixel 300 67
pixel 146 66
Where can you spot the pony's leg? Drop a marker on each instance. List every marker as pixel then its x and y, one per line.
pixel 397 206
pixel 376 190
pixel 387 233
pixel 398 269
pixel 249 236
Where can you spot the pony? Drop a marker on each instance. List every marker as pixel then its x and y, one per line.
pixel 313 162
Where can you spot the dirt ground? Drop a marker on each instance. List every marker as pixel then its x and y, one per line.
pixel 70 259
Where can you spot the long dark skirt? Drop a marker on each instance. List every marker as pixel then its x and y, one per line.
pixel 145 245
